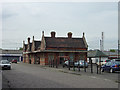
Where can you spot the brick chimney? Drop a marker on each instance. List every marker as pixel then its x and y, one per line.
pixel 28 40
pixel 53 34
pixel 69 35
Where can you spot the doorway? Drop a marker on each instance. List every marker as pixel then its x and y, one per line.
pixel 61 60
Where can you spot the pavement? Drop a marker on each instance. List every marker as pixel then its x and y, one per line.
pixel 25 75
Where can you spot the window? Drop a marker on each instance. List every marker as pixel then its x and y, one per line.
pixel 108 64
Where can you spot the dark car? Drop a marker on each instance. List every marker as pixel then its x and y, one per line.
pixel 14 61
pixel 5 64
pixel 111 66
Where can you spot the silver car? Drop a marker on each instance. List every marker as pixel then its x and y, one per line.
pixel 80 63
pixel 5 64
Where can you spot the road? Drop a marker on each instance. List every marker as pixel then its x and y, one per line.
pixel 34 76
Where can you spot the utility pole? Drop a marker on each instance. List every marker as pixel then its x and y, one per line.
pixel 102 42
pixel 118 49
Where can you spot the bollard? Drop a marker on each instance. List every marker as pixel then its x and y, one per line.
pixel 73 66
pixel 84 66
pixel 49 63
pixel 69 64
pixel 91 66
pixel 78 65
pixel 53 63
pixel 56 64
pixel 97 69
pixel 100 70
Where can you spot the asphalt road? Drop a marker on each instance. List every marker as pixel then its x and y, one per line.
pixel 34 76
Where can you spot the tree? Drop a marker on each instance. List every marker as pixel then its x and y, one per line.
pixel 20 48
pixel 112 50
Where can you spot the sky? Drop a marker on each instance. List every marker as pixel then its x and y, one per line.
pixel 21 20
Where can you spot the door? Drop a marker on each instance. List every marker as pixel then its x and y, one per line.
pixel 61 60
pixel 50 58
pixel 108 66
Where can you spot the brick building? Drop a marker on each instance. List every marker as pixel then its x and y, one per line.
pixel 55 49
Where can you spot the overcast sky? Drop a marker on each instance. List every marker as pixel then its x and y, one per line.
pixel 27 19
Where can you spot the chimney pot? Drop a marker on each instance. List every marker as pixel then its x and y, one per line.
pixel 33 38
pixel 28 39
pixel 69 35
pixel 43 33
pixel 53 34
pixel 83 34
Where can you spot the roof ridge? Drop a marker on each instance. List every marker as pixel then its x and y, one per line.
pixel 65 37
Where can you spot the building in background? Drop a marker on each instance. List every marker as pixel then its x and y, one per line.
pixel 55 49
pixel 11 54
pixel 96 55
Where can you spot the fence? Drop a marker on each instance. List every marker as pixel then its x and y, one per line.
pixel 92 68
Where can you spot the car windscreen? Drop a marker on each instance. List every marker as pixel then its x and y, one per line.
pixel 5 62
pixel 117 62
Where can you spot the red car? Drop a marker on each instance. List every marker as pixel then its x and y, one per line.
pixel 14 61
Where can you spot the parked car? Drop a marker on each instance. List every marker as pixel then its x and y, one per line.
pixel 14 61
pixel 115 60
pixel 111 66
pixel 103 62
pixel 5 64
pixel 81 64
pixel 68 63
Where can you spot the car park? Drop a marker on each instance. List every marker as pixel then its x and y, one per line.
pixel 111 66
pixel 5 64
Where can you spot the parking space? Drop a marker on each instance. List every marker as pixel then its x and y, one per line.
pixel 37 76
pixel 87 71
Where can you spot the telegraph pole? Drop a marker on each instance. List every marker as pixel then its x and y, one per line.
pixel 102 42
pixel 118 49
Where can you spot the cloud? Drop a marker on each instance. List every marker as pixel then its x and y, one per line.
pixel 28 19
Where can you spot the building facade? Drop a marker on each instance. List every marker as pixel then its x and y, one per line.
pixel 10 55
pixel 55 49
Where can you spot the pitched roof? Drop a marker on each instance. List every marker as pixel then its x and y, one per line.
pixel 11 51
pixel 37 44
pixel 59 42
pixel 96 53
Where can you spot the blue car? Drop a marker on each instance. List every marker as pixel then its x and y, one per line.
pixel 111 66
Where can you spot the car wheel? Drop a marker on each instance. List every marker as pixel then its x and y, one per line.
pixel 111 70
